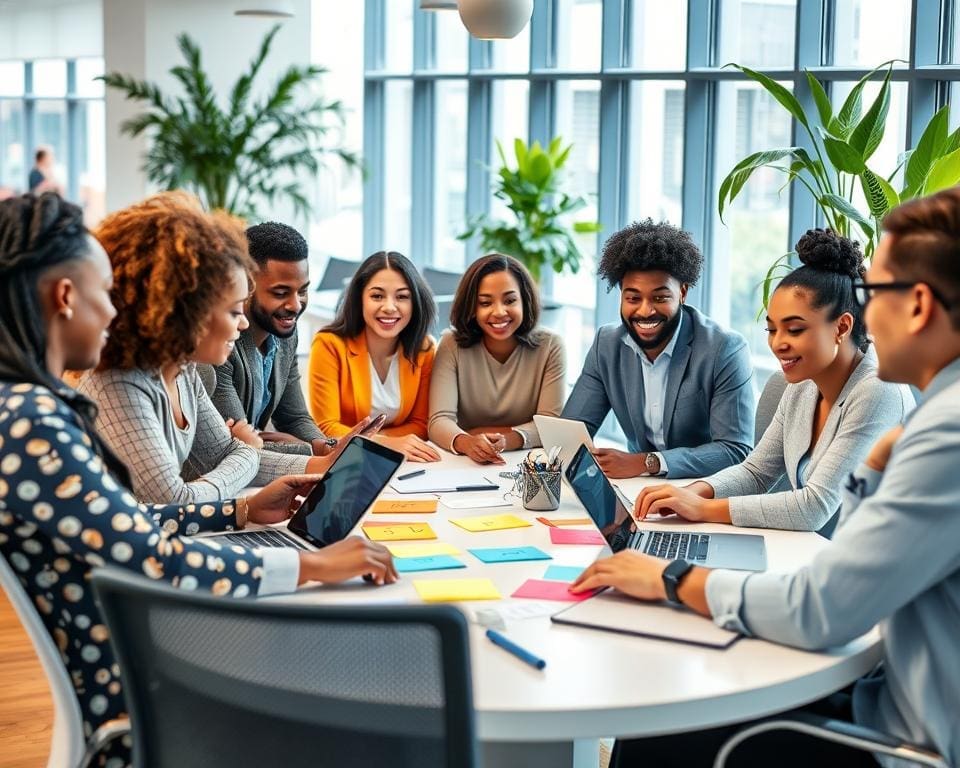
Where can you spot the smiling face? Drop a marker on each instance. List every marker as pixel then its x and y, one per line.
pixel 280 296
pixel 650 307
pixel 802 337
pixel 387 305
pixel 224 323
pixel 499 310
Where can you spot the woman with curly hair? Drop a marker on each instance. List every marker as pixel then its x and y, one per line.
pixel 65 501
pixel 496 369
pixel 834 407
pixel 180 279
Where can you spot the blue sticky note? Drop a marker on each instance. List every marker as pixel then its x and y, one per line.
pixel 509 554
pixel 430 563
pixel 563 572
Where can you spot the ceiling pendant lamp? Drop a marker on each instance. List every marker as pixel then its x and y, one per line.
pixel 495 19
pixel 438 5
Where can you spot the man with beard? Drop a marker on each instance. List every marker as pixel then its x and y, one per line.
pixel 678 383
pixel 260 381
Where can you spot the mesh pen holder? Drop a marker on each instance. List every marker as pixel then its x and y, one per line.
pixel 539 491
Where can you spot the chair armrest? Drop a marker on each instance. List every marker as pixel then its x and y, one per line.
pixel 106 734
pixel 839 732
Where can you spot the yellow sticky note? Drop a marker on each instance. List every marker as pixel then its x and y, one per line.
pixel 455 590
pixel 428 549
pixel 490 523
pixel 404 506
pixel 402 532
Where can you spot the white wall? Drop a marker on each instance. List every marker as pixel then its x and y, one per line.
pixel 140 40
pixel 52 30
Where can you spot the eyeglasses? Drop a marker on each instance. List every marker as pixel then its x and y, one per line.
pixel 863 292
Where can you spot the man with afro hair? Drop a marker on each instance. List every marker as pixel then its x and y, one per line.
pixel 260 382
pixel 678 383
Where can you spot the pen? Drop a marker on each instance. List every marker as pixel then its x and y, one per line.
pixel 474 487
pixel 497 639
pixel 412 474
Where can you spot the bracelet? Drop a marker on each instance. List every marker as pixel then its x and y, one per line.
pixel 242 507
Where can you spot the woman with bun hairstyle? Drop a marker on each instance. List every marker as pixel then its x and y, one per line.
pixel 832 411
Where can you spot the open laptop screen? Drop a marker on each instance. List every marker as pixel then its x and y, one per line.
pixel 351 485
pixel 600 499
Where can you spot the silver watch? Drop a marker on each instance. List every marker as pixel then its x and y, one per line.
pixel 651 463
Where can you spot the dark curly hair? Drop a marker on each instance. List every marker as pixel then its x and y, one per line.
pixel 831 264
pixel 275 241
pixel 169 260
pixel 645 246
pixel 349 322
pixel 38 234
pixel 463 312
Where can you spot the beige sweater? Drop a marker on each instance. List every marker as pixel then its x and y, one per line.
pixel 469 388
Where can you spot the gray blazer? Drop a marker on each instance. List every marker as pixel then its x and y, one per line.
pixel 238 390
pixel 709 408
pixel 865 409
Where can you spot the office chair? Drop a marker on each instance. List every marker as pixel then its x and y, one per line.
pixel 218 682
pixel 838 731
pixel 335 278
pixel 767 404
pixel 444 285
pixel 68 747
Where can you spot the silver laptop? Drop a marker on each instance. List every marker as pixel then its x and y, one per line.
pixel 612 514
pixel 335 505
pixel 569 434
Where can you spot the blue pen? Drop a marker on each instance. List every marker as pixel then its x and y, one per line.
pixel 508 645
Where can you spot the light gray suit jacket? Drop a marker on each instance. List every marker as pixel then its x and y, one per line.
pixel 238 390
pixel 709 406
pixel 865 409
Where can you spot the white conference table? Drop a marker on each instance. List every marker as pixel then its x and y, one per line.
pixel 600 684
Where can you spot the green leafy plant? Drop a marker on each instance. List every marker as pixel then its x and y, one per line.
pixel 842 144
pixel 248 153
pixel 538 235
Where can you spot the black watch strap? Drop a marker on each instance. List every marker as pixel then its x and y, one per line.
pixel 672 576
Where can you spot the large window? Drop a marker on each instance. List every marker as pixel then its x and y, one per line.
pixel 57 104
pixel 657 119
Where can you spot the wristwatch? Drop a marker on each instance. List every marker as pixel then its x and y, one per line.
pixel 672 576
pixel 523 436
pixel 652 464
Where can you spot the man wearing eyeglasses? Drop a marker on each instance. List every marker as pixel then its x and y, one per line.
pixel 895 559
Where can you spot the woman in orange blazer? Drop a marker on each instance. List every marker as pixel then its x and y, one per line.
pixel 377 355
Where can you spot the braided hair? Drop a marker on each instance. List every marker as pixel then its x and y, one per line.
pixel 37 234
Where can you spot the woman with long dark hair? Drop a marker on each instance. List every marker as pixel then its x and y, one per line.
pixel 376 356
pixel 65 499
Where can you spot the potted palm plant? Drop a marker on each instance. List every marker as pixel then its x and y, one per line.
pixel 838 164
pixel 238 157
pixel 538 232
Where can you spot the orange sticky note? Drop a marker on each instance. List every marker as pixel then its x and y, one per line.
pixel 401 532
pixel 404 506
pixel 555 521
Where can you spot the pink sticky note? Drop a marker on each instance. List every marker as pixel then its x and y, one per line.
pixel 537 589
pixel 574 536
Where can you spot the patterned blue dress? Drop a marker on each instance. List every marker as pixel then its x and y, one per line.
pixel 62 513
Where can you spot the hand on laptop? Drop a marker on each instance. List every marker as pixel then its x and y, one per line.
pixel 342 560
pixel 274 502
pixel 694 503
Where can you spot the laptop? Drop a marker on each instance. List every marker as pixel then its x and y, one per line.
pixel 334 505
pixel 612 514
pixel 569 434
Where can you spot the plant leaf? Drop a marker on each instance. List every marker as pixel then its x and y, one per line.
pixel 787 100
pixel 740 173
pixel 880 196
pixel 844 207
pixel 820 98
pixel 844 157
pixel 944 173
pixel 868 134
pixel 928 149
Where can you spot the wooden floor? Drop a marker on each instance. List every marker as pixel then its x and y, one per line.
pixel 26 710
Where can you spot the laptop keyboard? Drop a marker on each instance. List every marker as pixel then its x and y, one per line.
pixel 676 546
pixel 264 538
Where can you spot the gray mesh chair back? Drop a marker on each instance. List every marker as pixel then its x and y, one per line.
pixel 444 285
pixel 768 403
pixel 219 682
pixel 334 282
